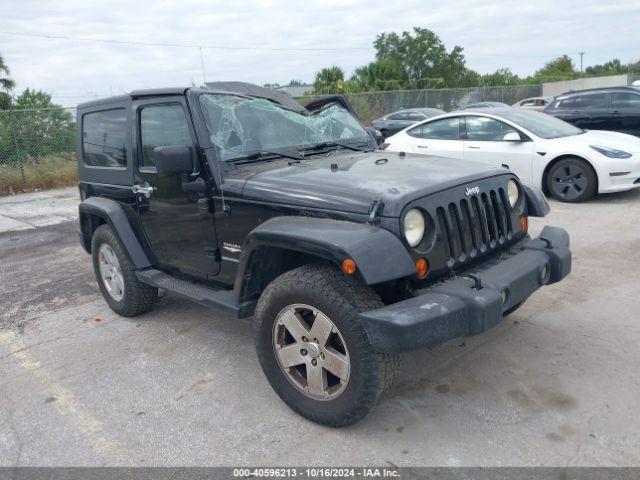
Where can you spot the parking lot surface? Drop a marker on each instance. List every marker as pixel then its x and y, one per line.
pixel 556 383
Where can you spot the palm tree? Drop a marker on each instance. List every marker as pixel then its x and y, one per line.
pixel 6 85
pixel 329 80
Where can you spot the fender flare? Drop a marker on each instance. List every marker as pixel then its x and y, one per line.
pixel 112 213
pixel 379 255
pixel 537 203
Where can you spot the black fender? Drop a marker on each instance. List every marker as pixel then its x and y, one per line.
pixel 379 255
pixel 112 213
pixel 537 203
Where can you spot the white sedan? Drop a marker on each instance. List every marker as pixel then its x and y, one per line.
pixel 570 163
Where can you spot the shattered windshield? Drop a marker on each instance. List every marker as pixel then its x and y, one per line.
pixel 239 126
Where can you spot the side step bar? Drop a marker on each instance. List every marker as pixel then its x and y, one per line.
pixel 221 300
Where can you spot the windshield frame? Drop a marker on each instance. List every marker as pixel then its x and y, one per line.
pixel 366 141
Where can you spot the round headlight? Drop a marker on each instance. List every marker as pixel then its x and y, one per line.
pixel 414 226
pixel 513 192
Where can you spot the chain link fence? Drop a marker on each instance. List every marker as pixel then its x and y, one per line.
pixel 37 148
pixel 371 105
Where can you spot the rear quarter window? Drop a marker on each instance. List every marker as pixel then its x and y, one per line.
pixel 104 138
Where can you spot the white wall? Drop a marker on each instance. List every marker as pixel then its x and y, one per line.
pixel 556 88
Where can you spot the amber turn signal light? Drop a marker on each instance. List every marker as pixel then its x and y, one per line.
pixel 523 224
pixel 422 267
pixel 348 266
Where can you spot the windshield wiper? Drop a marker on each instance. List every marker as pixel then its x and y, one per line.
pixel 334 143
pixel 264 155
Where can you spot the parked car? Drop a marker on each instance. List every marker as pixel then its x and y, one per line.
pixel 533 103
pixel 616 109
pixel 485 105
pixel 396 121
pixel 344 255
pixel 570 163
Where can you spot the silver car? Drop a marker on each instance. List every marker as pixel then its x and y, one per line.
pixel 533 103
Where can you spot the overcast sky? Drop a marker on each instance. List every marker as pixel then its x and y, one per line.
pixel 519 35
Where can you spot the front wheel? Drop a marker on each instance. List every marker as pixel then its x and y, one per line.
pixel 572 180
pixel 313 350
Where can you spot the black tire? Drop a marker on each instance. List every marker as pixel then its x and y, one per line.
pixel 137 297
pixel 339 297
pixel 572 180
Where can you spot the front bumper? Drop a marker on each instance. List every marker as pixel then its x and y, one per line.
pixel 474 301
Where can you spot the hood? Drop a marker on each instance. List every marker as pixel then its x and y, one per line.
pixel 356 180
pixel 617 140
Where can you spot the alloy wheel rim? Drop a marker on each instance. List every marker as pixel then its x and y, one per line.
pixel 311 352
pixel 110 272
pixel 569 182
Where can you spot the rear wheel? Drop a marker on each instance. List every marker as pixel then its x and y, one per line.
pixel 572 180
pixel 313 350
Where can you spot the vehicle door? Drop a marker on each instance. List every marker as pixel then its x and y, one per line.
pixel 595 111
pixel 568 109
pixel 486 141
pixel 173 207
pixel 439 137
pixel 625 112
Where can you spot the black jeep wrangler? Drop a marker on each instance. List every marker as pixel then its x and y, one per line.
pixel 253 205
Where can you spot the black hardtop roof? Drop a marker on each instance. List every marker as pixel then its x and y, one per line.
pixel 236 88
pixel 631 88
pixel 135 94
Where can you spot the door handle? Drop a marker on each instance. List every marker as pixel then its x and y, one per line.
pixel 144 189
pixel 471 146
pixel 616 112
pixel 423 146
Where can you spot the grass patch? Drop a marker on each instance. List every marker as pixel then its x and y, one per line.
pixel 51 171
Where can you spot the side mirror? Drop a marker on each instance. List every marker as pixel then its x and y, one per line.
pixel 172 160
pixel 512 137
pixel 376 134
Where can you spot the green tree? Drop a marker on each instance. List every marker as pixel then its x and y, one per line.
pixel 560 68
pixel 6 85
pixel 330 80
pixel 295 83
pixel 499 78
pixel 379 76
pixel 41 126
pixel 612 67
pixel 423 58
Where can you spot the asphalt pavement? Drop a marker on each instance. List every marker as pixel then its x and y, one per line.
pixel 555 384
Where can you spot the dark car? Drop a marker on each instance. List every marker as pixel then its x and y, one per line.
pixel 485 105
pixel 615 109
pixel 343 254
pixel 392 123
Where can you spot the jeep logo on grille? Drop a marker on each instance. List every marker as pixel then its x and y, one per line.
pixel 472 191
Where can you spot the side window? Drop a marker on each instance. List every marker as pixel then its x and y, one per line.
pixel 445 129
pixel 625 100
pixel 415 116
pixel 571 102
pixel 397 116
pixel 483 129
pixel 162 125
pixel 104 138
pixel 593 100
pixel 528 103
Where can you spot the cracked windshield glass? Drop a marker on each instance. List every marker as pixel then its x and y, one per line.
pixel 241 126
